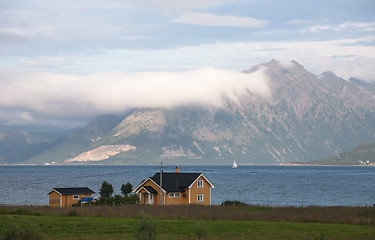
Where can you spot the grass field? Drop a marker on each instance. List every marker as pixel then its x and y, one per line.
pixel 181 222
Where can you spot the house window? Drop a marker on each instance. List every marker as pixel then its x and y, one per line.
pixel 200 183
pixel 174 195
pixel 75 196
pixel 200 197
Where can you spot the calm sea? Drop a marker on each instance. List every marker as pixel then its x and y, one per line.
pixel 264 185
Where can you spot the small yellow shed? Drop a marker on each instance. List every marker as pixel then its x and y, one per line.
pixel 66 197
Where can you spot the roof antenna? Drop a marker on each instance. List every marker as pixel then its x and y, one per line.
pixel 161 179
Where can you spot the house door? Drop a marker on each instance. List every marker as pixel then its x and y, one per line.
pixel 150 199
pixel 145 198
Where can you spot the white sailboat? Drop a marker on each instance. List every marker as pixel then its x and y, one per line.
pixel 234 164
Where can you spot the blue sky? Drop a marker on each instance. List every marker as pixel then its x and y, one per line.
pixel 53 44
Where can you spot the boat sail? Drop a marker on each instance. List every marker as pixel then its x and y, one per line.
pixel 234 164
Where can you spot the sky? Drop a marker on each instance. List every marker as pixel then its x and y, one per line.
pixel 64 62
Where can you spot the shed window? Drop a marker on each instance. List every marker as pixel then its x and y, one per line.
pixel 200 197
pixel 75 196
pixel 200 183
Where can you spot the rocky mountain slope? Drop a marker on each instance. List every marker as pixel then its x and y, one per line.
pixel 308 117
pixel 370 86
pixel 79 142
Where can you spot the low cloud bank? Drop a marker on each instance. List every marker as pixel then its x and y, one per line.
pixel 207 19
pixel 36 94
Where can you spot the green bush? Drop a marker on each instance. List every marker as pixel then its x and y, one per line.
pixel 119 200
pixel 146 228
pixel 233 203
pixel 201 231
pixel 17 231
pixel 130 199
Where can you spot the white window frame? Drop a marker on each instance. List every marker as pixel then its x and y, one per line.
pixel 200 183
pixel 174 195
pixel 200 197
pixel 75 196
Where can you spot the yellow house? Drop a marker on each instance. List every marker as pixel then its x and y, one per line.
pixel 66 197
pixel 176 189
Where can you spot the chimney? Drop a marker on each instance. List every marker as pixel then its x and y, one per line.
pixel 177 170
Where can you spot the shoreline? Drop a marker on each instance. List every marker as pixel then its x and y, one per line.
pixel 327 165
pixel 250 164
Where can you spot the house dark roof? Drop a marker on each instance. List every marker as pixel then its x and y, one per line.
pixel 150 189
pixel 70 191
pixel 175 182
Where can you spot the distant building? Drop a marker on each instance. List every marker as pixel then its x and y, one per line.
pixel 66 197
pixel 176 189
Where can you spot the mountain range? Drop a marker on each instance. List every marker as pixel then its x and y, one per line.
pixel 18 144
pixel 363 154
pixel 307 117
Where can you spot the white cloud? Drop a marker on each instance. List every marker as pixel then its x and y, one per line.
pixel 342 66
pixel 345 57
pixel 208 19
pixel 243 55
pixel 362 26
pixel 56 39
pixel 65 21
pixel 237 56
pixel 76 97
pixel 176 6
pixel 20 117
pixel 134 37
pixel 25 32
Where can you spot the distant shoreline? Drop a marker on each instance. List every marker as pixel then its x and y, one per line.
pixel 326 165
pixel 281 164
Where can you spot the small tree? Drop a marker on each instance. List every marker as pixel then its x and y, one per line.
pixel 126 189
pixel 106 190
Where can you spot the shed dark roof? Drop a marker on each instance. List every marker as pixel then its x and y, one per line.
pixel 77 190
pixel 150 189
pixel 175 182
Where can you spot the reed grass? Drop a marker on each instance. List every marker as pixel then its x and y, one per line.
pixel 310 214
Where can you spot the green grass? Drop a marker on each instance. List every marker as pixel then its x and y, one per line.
pixel 186 222
pixel 60 227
